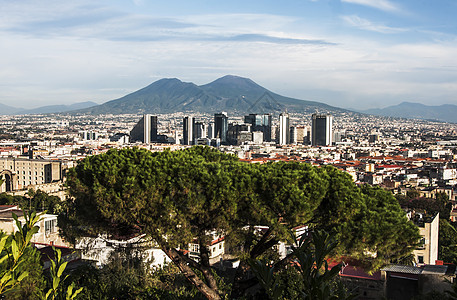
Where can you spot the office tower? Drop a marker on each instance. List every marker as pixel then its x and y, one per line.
pixel 338 136
pixel 260 123
pixel 145 130
pixel 221 126
pixel 301 134
pixel 211 130
pixel 267 127
pixel 238 134
pixel 284 129
pixel 199 130
pixel 188 130
pixel 273 133
pixel 321 130
pixel 293 135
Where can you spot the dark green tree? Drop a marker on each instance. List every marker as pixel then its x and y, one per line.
pixel 185 195
pixel 314 276
pixel 447 242
pixel 35 200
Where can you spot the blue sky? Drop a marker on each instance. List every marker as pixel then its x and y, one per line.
pixel 347 53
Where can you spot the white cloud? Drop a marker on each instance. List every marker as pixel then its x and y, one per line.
pixel 378 4
pixel 119 52
pixel 365 24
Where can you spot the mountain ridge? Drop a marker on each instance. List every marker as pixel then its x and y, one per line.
pixel 229 93
pixel 47 109
pixel 413 110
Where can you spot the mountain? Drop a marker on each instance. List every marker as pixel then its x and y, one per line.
pixel 9 110
pixel 445 112
pixel 229 93
pixel 57 108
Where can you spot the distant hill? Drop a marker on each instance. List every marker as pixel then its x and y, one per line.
pixel 445 112
pixel 229 93
pixel 9 110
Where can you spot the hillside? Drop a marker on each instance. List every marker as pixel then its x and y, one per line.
pixel 445 113
pixel 229 93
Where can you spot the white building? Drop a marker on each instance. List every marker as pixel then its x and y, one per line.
pixel 284 129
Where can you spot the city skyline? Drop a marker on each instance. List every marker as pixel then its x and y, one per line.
pixel 345 53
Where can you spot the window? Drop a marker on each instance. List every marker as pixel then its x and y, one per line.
pixel 50 226
pixel 420 259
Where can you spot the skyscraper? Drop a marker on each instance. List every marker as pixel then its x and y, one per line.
pixel 284 129
pixel 145 130
pixel 211 131
pixel 188 130
pixel 260 123
pixel 321 134
pixel 221 126
pixel 200 130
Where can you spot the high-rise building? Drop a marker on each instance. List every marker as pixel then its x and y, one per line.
pixel 211 131
pixel 200 130
pixel 145 130
pixel 284 129
pixel 260 123
pixel 321 134
pixel 188 130
pixel 221 126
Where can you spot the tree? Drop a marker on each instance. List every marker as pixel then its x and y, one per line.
pixel 33 285
pixel 57 290
pixel 14 251
pixel 447 242
pixel 310 254
pixel 177 195
pixel 413 193
pixel 440 204
pixel 35 200
pixel 184 196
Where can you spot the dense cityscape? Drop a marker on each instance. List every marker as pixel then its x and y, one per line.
pixel 412 159
pixel 245 150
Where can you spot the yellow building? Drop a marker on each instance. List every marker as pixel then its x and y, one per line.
pixel 19 173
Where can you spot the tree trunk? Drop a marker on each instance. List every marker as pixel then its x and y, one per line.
pixel 206 267
pixel 180 262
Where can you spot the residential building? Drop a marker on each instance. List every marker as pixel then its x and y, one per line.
pixel 48 233
pixel 427 253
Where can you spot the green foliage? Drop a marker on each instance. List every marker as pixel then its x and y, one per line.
pixel 440 204
pixel 314 276
pixel 184 195
pixel 126 277
pixel 35 200
pixel 57 289
pixel 447 242
pixel 368 221
pixel 14 250
pixel 412 194
pixel 33 285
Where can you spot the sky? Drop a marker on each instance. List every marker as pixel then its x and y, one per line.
pixel 348 53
